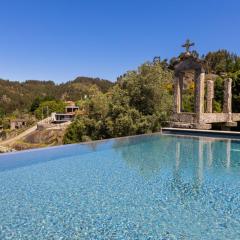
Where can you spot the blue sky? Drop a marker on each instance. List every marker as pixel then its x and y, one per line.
pixel 61 39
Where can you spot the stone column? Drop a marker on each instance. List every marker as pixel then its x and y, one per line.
pixel 177 95
pixel 210 96
pixel 227 105
pixel 199 99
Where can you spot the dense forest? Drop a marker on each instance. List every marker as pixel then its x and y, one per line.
pixel 20 95
pixel 140 101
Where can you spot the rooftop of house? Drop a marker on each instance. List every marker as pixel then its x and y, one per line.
pixel 70 103
pixel 65 114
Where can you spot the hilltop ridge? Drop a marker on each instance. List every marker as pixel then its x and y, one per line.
pixel 20 95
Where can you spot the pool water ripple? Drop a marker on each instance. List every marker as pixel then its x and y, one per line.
pixel 152 187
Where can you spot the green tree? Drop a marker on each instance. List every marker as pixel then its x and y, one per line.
pixel 149 88
pixel 38 100
pixel 218 95
pixel 82 129
pixel 2 113
pixel 48 107
pixel 97 105
pixel 139 103
pixel 236 91
pixel 222 61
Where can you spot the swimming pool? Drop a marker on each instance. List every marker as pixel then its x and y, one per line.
pixel 147 187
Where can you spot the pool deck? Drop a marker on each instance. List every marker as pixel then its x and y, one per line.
pixel 205 133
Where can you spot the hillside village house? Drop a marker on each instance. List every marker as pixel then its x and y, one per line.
pixel 17 124
pixel 70 111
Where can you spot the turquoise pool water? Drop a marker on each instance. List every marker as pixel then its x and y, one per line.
pixel 147 187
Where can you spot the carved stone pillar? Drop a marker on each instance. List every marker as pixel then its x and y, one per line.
pixel 210 96
pixel 227 105
pixel 199 100
pixel 177 95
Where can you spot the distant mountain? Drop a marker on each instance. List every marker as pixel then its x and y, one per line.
pixel 20 95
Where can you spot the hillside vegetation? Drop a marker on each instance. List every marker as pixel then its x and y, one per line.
pixel 20 95
pixel 140 101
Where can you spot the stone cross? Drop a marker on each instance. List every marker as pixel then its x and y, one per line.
pixel 156 59
pixel 187 45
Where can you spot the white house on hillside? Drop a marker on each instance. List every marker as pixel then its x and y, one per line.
pixel 69 114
